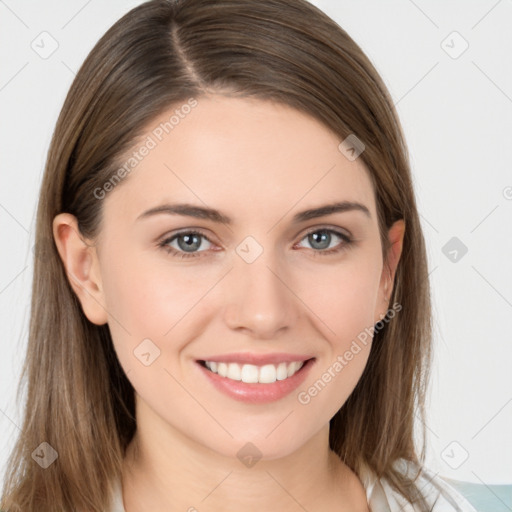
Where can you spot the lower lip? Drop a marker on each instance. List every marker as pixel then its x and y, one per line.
pixel 257 393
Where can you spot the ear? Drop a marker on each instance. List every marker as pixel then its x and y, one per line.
pixel 82 266
pixel 396 237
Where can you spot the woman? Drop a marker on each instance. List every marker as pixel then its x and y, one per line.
pixel 233 308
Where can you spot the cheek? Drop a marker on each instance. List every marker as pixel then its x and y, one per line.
pixel 147 294
pixel 344 300
pixel 152 299
pixel 151 312
pixel 343 297
pixel 136 298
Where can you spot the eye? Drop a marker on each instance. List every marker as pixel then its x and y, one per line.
pixel 320 239
pixel 190 244
pixel 187 245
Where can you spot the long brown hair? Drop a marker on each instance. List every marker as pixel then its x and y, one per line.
pixel 160 54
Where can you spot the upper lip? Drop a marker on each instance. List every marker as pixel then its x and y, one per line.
pixel 258 359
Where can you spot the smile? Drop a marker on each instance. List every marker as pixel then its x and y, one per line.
pixel 259 383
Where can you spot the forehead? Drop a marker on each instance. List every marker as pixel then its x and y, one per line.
pixel 245 156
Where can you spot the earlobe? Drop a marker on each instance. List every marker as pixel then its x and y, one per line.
pixel 82 267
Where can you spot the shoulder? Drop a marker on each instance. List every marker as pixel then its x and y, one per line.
pixel 440 496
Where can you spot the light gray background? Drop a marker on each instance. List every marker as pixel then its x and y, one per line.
pixel 457 116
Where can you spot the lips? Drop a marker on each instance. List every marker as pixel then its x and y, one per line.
pixel 256 378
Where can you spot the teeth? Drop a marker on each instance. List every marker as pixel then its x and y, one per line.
pixel 252 374
pixel 282 371
pixel 249 373
pixel 234 372
pixel 222 369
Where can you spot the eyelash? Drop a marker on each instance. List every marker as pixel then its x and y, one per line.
pixel 347 242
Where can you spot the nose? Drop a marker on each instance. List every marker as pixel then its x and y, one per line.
pixel 262 302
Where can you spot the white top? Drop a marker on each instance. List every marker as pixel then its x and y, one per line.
pixel 440 496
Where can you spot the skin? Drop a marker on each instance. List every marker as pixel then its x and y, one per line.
pixel 271 162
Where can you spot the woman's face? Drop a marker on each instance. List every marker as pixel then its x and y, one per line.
pixel 264 280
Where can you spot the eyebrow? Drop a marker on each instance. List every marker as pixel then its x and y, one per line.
pixel 214 215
